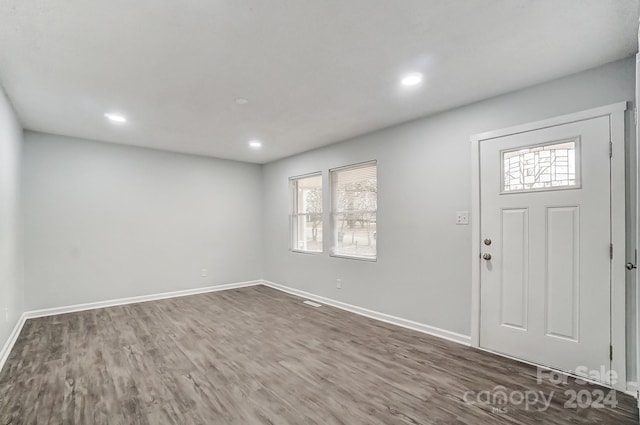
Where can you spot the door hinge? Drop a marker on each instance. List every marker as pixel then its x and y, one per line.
pixel 611 251
pixel 611 352
pixel 610 149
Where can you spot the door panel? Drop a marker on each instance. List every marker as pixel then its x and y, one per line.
pixel 545 206
pixel 514 274
pixel 562 283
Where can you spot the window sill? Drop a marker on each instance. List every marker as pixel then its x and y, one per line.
pixel 353 257
pixel 298 251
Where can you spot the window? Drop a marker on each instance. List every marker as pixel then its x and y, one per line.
pixel 542 167
pixel 354 205
pixel 306 216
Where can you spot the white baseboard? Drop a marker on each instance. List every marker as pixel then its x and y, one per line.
pixel 451 336
pixel 398 321
pixel 632 387
pixel 140 299
pixel 8 346
pixel 13 337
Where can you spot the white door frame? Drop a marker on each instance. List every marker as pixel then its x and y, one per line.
pixel 636 242
pixel 615 112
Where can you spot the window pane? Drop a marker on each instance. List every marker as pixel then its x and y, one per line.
pixel 355 235
pixel 540 167
pixel 354 204
pixel 355 189
pixel 306 217
pixel 308 232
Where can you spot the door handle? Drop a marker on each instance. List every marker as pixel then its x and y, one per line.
pixel 631 266
pixel 486 256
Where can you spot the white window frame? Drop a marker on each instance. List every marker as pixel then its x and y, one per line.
pixel 293 202
pixel 333 214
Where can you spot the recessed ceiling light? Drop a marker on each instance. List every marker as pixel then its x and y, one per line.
pixel 116 118
pixel 412 79
pixel 241 101
pixel 255 144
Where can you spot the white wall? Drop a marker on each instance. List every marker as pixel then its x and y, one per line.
pixel 11 264
pixel 105 221
pixel 423 272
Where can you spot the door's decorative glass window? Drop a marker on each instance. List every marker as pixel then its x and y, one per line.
pixel 540 167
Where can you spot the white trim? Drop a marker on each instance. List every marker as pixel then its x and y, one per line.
pixel 409 324
pixel 355 166
pixel 618 238
pixel 398 321
pixel 615 112
pixel 475 242
pixel 13 337
pixel 139 299
pixel 631 386
pixel 632 389
pixel 8 346
pixel 304 176
pixel 635 177
pixel 588 114
pixel 353 257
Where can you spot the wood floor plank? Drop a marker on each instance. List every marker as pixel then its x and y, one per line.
pixel 259 356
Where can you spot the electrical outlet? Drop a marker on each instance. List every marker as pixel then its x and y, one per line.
pixel 339 283
pixel 203 273
pixel 462 217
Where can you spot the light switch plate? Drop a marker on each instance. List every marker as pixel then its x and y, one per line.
pixel 462 218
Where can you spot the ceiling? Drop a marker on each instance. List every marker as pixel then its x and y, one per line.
pixel 314 71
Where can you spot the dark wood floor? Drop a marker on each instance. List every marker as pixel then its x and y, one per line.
pixel 259 356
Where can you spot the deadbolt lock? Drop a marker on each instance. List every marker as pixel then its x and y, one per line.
pixel 487 242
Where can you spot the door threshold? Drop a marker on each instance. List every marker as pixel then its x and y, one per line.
pixel 560 371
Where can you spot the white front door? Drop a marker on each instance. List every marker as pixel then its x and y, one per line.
pixel 545 236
